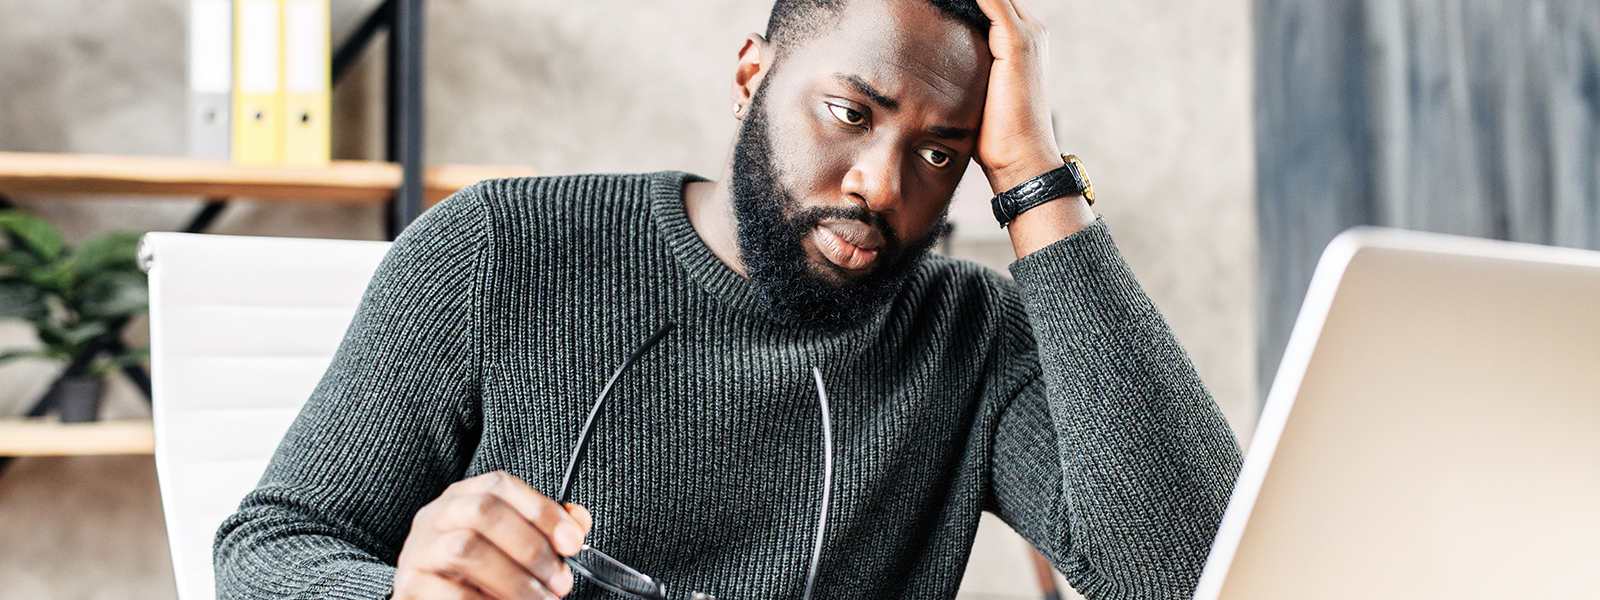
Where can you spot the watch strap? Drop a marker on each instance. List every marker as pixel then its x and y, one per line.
pixel 1068 180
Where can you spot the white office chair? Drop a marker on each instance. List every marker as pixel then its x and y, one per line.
pixel 241 331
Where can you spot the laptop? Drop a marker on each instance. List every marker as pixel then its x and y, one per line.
pixel 1433 430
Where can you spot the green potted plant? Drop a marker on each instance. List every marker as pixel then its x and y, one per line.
pixel 77 300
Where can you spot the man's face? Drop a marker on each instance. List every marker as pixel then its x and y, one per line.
pixel 850 153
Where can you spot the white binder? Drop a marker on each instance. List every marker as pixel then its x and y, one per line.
pixel 210 79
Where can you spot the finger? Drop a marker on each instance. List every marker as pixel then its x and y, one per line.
pixel 1000 12
pixel 564 533
pixel 491 517
pixel 409 585
pixel 475 485
pixel 582 516
pixel 1023 13
pixel 467 557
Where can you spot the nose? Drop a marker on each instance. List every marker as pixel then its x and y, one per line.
pixel 875 179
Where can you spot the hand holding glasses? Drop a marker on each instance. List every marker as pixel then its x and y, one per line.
pixel 612 574
pixel 490 536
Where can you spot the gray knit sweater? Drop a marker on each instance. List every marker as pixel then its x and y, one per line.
pixel 1059 401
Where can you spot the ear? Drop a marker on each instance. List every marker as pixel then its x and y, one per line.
pixel 755 57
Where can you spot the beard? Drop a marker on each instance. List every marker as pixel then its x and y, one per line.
pixel 772 226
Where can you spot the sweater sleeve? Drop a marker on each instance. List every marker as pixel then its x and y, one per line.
pixel 1114 461
pixel 392 423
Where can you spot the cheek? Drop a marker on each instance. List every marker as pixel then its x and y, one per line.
pixel 810 163
pixel 810 156
pixel 918 221
pixel 927 196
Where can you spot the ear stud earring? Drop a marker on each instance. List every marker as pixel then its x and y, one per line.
pixel 737 107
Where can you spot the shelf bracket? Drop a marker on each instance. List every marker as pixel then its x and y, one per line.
pixel 381 17
pixel 208 214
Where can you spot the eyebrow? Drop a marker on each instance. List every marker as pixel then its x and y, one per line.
pixel 937 131
pixel 952 133
pixel 867 90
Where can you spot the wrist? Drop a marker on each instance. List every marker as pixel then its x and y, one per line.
pixel 1049 223
pixel 1016 173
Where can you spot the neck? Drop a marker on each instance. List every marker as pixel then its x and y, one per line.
pixel 710 208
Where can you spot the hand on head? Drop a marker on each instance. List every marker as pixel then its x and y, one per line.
pixel 491 537
pixel 1017 140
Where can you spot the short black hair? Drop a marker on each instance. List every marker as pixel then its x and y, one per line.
pixel 794 21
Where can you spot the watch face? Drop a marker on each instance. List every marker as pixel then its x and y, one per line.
pixel 1088 188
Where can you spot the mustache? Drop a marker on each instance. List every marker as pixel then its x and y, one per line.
pixel 807 218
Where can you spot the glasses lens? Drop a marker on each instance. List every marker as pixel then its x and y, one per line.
pixel 611 574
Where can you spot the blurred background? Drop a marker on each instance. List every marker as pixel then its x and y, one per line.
pixel 1228 141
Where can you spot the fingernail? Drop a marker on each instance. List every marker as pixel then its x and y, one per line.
pixel 569 536
pixel 561 583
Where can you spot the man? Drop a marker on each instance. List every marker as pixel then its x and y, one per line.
pixel 426 463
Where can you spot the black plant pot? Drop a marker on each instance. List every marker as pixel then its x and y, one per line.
pixel 77 399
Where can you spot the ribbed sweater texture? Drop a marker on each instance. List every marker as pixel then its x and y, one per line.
pixel 1059 400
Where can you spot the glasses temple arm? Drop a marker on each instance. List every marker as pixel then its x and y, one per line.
pixel 827 481
pixel 565 493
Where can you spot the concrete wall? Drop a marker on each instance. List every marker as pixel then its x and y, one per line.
pixel 1153 94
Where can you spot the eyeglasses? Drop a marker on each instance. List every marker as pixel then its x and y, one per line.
pixel 612 574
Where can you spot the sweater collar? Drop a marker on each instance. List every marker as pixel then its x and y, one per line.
pixel 722 282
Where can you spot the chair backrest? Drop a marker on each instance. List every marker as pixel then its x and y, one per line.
pixel 241 331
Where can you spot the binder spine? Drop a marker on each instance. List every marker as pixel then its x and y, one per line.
pixel 210 79
pixel 306 60
pixel 258 99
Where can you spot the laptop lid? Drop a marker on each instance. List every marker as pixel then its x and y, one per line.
pixel 1433 430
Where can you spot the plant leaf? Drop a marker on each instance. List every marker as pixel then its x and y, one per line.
pixel 83 332
pixel 6 357
pixel 54 277
pixel 69 341
pixel 51 335
pixel 19 299
pixel 133 356
pixel 20 260
pixel 129 358
pixel 116 251
pixel 113 295
pixel 33 233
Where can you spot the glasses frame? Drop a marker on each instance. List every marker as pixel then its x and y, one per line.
pixel 601 568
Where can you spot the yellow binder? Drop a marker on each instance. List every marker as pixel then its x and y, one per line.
pixel 306 137
pixel 258 88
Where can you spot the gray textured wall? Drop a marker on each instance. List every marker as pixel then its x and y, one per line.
pixel 1153 94
pixel 1470 117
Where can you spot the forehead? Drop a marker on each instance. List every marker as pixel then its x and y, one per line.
pixel 901 47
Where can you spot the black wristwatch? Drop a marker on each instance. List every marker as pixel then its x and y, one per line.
pixel 1069 180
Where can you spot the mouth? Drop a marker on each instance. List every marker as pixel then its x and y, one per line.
pixel 850 244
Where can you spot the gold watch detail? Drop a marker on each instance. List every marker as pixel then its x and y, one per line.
pixel 1088 188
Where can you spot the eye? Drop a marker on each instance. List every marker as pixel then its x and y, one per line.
pixel 935 157
pixel 847 114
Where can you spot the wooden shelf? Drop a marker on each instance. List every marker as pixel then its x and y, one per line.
pixel 439 181
pixel 357 182
pixel 49 437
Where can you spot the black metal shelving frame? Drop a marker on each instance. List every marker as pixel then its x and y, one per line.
pixel 404 21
